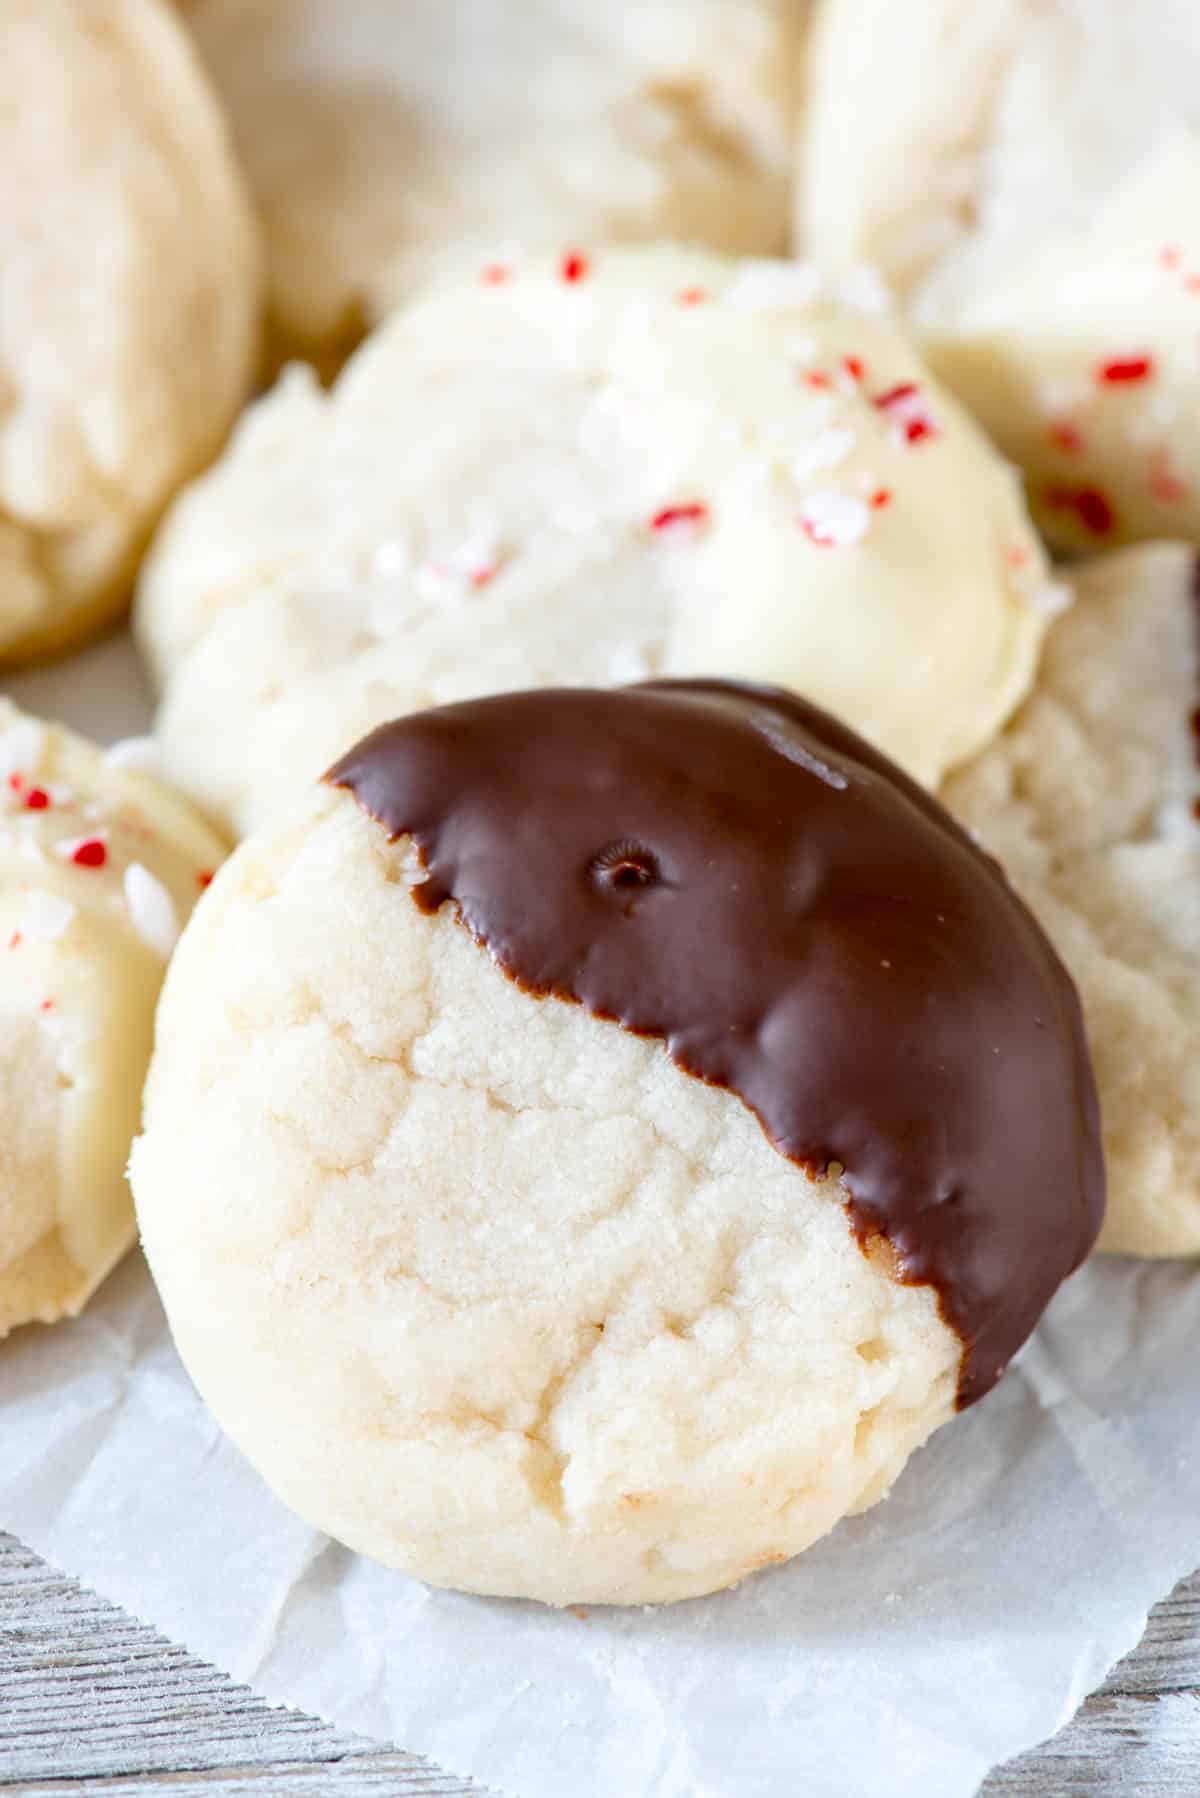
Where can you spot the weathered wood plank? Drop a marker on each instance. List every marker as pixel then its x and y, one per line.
pixel 95 1705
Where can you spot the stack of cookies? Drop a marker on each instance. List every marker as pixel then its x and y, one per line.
pixel 713 909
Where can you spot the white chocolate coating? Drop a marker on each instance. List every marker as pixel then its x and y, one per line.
pixel 672 462
pixel 1085 367
pixel 99 868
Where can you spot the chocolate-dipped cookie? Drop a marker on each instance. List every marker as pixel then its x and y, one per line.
pixel 600 1135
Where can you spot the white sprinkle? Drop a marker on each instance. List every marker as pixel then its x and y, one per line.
pixel 864 289
pixel 1050 599
pixel 45 916
pixel 765 285
pixel 151 908
pixel 137 755
pixel 21 746
pixel 824 451
pixel 835 519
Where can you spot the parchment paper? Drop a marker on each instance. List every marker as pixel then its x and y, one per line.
pixel 953 1626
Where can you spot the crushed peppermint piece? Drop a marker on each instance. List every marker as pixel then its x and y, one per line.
pixel 151 909
pixel 574 266
pixel 137 755
pixel 825 450
pixel 21 747
pixel 1164 483
pixel 85 852
pixel 1125 369
pixel 694 514
pixel 45 917
pixel 1089 505
pixel 905 407
pixel 1065 436
pixel 834 520
pixel 691 296
pixel 763 284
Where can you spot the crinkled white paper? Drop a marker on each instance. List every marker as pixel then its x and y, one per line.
pixel 956 1624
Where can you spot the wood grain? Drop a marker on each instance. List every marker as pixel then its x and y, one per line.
pixel 96 1705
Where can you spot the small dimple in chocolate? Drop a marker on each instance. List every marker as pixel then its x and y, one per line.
pixel 731 871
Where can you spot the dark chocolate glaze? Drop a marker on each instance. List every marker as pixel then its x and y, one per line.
pixel 732 871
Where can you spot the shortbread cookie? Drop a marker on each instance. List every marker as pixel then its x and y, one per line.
pixel 1090 800
pixel 946 142
pixel 1086 368
pixel 128 301
pixel 591 471
pixel 379 136
pixel 596 1138
pixel 99 867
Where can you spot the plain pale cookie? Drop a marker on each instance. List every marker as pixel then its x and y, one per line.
pixel 948 142
pixel 592 470
pixel 585 1157
pixel 99 868
pixel 128 301
pixel 1089 799
pixel 1086 368
pixel 379 136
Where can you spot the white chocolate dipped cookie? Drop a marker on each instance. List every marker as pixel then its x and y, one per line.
pixel 1085 367
pixel 1089 799
pixel 377 137
pixel 99 867
pixel 598 1135
pixel 594 470
pixel 128 302
pixel 947 142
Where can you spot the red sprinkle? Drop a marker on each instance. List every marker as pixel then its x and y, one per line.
pixel 691 296
pixel 694 513
pixel 481 576
pixel 903 401
pixel 14 941
pixel 575 266
pixel 1170 255
pixel 204 879
pixel 817 379
pixel 495 274
pixel 37 800
pixel 1089 505
pixel 855 367
pixel 1166 486
pixel 16 782
pixel 47 1005
pixel 1067 436
pixel 1124 369
pixel 1192 284
pixel 1017 557
pixel 881 497
pixel 92 853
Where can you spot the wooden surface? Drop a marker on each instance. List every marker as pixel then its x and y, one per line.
pixel 94 1705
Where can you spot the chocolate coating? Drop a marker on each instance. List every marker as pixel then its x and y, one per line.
pixel 728 869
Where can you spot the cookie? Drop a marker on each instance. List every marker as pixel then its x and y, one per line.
pixel 598 1135
pixel 128 302
pixel 1090 800
pixel 947 143
pixel 593 470
pixel 99 867
pixel 1084 368
pixel 378 137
